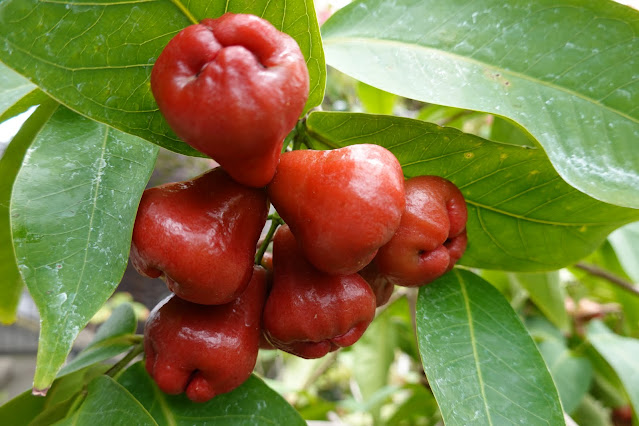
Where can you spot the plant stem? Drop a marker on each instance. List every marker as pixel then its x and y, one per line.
pixel 137 350
pixel 608 276
pixel 275 222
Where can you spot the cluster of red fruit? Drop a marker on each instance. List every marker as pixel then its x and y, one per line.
pixel 233 88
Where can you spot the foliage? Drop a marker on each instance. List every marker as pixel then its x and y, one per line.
pixel 538 100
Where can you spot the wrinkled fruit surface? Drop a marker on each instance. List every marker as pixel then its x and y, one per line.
pixel 203 350
pixel 309 313
pixel 200 236
pixel 341 205
pixel 232 88
pixel 430 239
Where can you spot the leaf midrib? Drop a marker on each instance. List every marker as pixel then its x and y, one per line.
pixel 461 58
pixel 473 342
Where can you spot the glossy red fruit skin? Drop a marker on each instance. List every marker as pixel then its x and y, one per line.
pixel 200 236
pixel 204 350
pixel 232 88
pixel 342 205
pixel 382 287
pixel 430 239
pixel 309 313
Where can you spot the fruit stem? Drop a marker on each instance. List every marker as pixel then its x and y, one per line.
pixel 276 221
pixel 119 366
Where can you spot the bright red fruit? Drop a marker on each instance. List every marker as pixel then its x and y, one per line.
pixel 342 205
pixel 309 313
pixel 200 236
pixel 430 238
pixel 232 88
pixel 205 350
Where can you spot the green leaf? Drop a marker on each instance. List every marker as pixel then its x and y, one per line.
pixel 374 100
pixel 620 352
pixel 572 373
pixel 563 69
pixel 374 353
pixel 13 87
pixel 625 241
pixel 480 361
pixel 548 294
pixel 603 290
pixel 96 57
pixel 418 407
pixel 72 209
pixel 11 283
pixel 521 215
pixel 28 409
pixel 110 404
pixel 543 330
pixel 504 130
pixel 112 338
pixel 253 403
pixel 592 413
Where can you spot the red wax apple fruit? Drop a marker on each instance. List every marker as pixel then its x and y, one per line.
pixel 430 239
pixel 232 88
pixel 308 312
pixel 200 236
pixel 341 205
pixel 204 350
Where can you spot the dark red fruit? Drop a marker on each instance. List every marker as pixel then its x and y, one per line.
pixel 203 350
pixel 341 205
pixel 309 313
pixel 200 236
pixel 232 88
pixel 430 239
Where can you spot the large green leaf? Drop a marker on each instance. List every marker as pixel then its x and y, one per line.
pixel 521 215
pixel 11 282
pixel 548 294
pixel 480 361
pixel 626 244
pixel 28 409
pixel 374 353
pixel 108 403
pixel 621 353
pixel 72 210
pixel 96 57
pixel 13 87
pixel 114 337
pixel 253 403
pixel 564 69
pixel 572 373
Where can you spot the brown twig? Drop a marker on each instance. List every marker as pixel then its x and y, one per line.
pixel 608 276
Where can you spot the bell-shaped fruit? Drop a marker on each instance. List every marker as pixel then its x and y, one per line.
pixel 205 350
pixel 342 205
pixel 200 236
pixel 430 238
pixel 232 88
pixel 309 313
